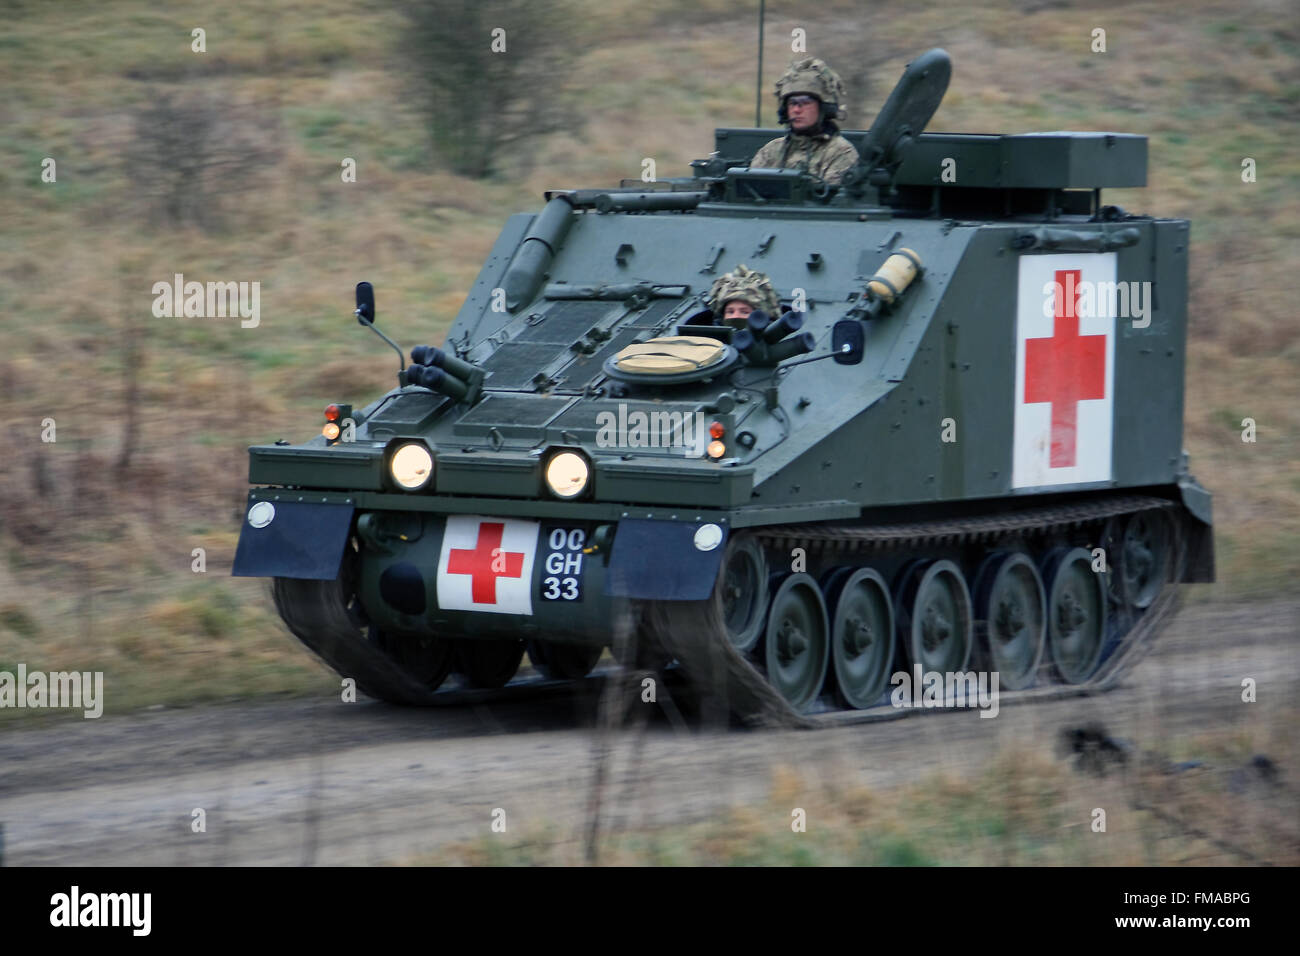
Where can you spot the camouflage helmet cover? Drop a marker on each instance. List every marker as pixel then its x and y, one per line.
pixel 747 285
pixel 812 75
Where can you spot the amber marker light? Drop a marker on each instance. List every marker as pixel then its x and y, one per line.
pixel 330 431
pixel 716 449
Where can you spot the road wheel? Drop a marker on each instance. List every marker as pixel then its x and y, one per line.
pixel 488 663
pixel 427 660
pixel 1010 599
pixel 743 591
pixel 561 661
pixel 796 641
pixel 1076 613
pixel 862 638
pixel 938 627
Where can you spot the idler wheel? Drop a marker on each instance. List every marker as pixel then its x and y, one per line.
pixel 861 637
pixel 1076 613
pixel 1111 543
pixel 935 621
pixel 1144 558
pixel 561 661
pixel 796 641
pixel 489 663
pixel 1011 601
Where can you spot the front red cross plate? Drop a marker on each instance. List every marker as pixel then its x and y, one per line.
pixel 486 562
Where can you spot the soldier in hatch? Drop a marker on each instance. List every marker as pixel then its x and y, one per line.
pixel 810 98
pixel 736 294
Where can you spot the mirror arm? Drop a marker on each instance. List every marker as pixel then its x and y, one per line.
pixel 401 359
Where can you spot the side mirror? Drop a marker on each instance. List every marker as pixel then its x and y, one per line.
pixel 365 312
pixel 848 341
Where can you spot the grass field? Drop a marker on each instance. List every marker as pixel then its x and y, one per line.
pixel 1021 809
pixel 96 545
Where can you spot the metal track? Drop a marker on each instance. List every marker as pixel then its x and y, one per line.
pixel 696 634
pixel 317 613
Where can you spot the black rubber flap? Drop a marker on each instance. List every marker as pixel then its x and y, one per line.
pixel 301 540
pixel 658 561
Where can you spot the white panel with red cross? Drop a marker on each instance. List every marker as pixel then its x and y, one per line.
pixel 1065 371
pixel 487 565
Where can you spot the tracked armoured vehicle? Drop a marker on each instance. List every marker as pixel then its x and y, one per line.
pixel 957 447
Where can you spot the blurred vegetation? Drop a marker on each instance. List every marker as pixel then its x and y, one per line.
pixel 186 151
pixel 1028 807
pixel 97 529
pixel 497 81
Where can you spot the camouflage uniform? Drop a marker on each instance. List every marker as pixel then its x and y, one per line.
pixel 824 155
pixel 824 152
pixel 746 285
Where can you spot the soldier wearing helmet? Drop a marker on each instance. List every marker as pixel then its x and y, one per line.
pixel 810 98
pixel 736 294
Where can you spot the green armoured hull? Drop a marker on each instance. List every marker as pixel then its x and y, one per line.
pixel 948 352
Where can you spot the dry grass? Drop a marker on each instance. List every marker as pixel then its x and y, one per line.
pixel 98 561
pixel 1025 808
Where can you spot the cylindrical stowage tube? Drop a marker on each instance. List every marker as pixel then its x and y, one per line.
pixel 789 322
pixel 462 370
pixel 895 275
pixel 437 380
pixel 796 344
pixel 748 344
pixel 536 251
pixel 648 202
pixel 757 321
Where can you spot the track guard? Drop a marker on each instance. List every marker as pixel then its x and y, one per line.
pixel 292 539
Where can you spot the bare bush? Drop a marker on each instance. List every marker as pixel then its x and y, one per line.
pixel 192 153
pixel 492 76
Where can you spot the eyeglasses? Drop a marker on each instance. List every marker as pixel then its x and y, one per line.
pixel 800 100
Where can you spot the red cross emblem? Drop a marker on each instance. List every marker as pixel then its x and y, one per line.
pixel 486 562
pixel 1065 369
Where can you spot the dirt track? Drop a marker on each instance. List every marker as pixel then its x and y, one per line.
pixel 334 783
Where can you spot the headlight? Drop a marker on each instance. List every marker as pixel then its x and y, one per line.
pixel 566 474
pixel 411 466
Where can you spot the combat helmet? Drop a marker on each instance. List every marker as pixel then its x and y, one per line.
pixel 811 75
pixel 747 285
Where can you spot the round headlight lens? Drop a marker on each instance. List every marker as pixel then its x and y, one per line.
pixel 411 466
pixel 567 474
